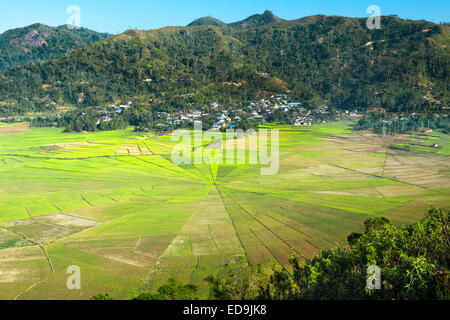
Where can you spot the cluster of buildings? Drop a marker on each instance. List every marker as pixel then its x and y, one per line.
pixel 10 120
pixel 176 118
pixel 430 97
pixel 113 110
pixel 219 116
pixel 258 111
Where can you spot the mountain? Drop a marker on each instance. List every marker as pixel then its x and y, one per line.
pixel 207 21
pixel 257 20
pixel 39 42
pixel 319 60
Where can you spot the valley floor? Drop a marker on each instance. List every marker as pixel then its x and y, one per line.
pixel 114 204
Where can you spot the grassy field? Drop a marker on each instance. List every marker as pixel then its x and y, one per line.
pixel 114 204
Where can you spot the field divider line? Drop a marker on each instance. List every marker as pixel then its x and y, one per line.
pixel 111 157
pixel 214 240
pixel 253 217
pixel 190 243
pixel 290 227
pixel 195 269
pixel 207 179
pixel 56 169
pixel 20 294
pixel 165 168
pixel 148 148
pixel 210 170
pixel 134 213
pixel 85 200
pixel 59 209
pixel 197 177
pixel 286 225
pixel 301 232
pixel 234 225
pixel 82 218
pixel 73 229
pixel 142 255
pixel 108 197
pixel 29 213
pixel 273 255
pixel 385 162
pixel 58 158
pixel 323 238
pixel 396 159
pixel 383 177
pixel 34 242
pixel 152 269
pixel 135 250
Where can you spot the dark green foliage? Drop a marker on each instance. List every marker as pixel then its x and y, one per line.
pixel 79 121
pixel 40 43
pixel 353 238
pixel 235 282
pixel 383 125
pixel 102 296
pixel 414 262
pixel 280 117
pixel 322 59
pixel 172 290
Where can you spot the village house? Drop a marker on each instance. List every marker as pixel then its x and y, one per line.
pixel 104 119
pixel 223 118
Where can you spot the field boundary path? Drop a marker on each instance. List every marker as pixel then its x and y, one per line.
pixel 35 243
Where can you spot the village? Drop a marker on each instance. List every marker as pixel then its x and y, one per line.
pixel 278 108
pixel 274 109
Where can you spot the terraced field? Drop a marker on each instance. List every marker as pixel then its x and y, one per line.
pixel 114 204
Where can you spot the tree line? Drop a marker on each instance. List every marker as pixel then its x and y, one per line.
pixel 382 124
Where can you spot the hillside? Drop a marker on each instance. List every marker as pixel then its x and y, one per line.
pixel 257 20
pixel 254 21
pixel 320 60
pixel 207 21
pixel 40 42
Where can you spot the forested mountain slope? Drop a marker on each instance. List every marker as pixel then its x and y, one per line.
pixel 320 59
pixel 39 42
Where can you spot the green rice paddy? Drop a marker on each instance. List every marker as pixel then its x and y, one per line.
pixel 114 204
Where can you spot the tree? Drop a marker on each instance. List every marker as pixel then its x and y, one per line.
pixel 172 290
pixel 414 261
pixel 102 296
pixel 236 282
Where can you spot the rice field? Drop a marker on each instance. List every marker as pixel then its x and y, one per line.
pixel 114 204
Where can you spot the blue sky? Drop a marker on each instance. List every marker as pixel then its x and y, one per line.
pixel 115 16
